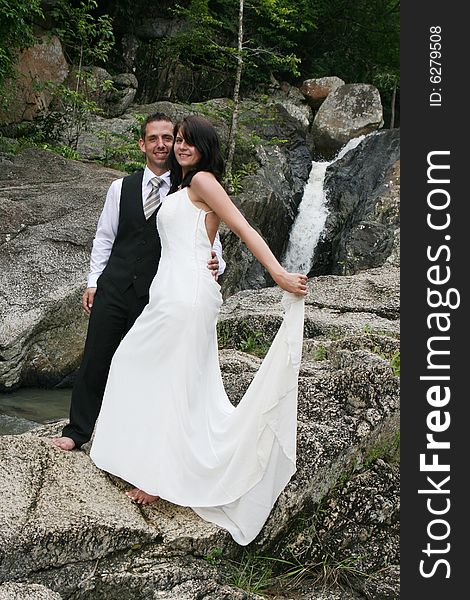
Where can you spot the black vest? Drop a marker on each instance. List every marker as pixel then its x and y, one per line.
pixel 136 250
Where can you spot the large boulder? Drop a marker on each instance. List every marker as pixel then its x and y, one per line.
pixel 293 100
pixel 26 94
pixel 316 90
pixel 336 306
pixel 356 532
pixel 49 207
pixel 268 202
pixel 113 94
pixel 349 111
pixel 68 526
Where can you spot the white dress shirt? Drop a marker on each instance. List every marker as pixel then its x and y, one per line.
pixel 106 230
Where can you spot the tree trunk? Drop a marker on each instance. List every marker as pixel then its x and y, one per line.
pixel 392 116
pixel 236 101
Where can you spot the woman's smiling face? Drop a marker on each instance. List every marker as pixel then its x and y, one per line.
pixel 187 156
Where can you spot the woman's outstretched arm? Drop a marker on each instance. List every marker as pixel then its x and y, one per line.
pixel 205 189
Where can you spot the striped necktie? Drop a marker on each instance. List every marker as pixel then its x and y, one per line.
pixel 153 199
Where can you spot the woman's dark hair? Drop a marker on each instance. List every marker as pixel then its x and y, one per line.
pixel 198 132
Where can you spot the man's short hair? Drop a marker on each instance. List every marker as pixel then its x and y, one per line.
pixel 156 116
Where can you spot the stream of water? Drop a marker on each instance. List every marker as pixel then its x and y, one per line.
pixel 26 408
pixel 313 211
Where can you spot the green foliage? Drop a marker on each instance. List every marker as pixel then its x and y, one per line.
pixel 7 145
pixel 29 135
pixel 243 338
pixel 387 449
pixel 257 574
pixel 207 39
pixel 308 554
pixel 321 353
pixel 276 141
pixel 243 171
pixel 254 343
pixel 357 41
pixel 121 151
pixel 68 115
pixel 211 111
pixel 395 363
pixel 214 556
pixel 223 336
pixel 16 32
pixel 368 329
pixel 62 150
pixel 88 38
pixel 251 573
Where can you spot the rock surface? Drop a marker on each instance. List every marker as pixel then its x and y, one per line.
pixel 351 110
pixel 41 63
pixel 335 305
pixel 49 207
pixel 316 90
pixel 363 195
pixel 68 526
pixel 113 94
pixel 27 591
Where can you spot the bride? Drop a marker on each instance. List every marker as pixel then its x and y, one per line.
pixel 166 424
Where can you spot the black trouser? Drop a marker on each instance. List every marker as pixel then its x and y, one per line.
pixel 112 315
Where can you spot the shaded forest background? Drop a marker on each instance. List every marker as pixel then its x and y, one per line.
pixel 187 51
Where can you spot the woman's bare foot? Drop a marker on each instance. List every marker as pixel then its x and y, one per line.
pixel 64 443
pixel 141 497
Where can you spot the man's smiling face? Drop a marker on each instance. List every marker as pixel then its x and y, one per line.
pixel 157 145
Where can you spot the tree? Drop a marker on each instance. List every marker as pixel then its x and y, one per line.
pixel 236 101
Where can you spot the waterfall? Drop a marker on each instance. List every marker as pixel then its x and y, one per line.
pixel 312 215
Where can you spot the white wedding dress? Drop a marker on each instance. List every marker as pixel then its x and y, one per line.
pixel 166 424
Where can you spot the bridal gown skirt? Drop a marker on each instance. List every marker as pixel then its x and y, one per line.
pixel 166 424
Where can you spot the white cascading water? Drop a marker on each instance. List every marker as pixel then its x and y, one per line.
pixel 312 215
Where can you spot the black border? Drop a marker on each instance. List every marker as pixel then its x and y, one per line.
pixel 426 128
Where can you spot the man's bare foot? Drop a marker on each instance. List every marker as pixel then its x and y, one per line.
pixel 141 497
pixel 64 443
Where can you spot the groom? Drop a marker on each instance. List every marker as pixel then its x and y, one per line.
pixel 124 260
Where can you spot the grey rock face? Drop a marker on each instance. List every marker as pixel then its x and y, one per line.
pixel 335 306
pixel 349 111
pixel 49 207
pixel 103 133
pixel 269 205
pixel 270 197
pixel 115 100
pixel 68 526
pixel 363 195
pixel 355 534
pixel 26 591
pixel 293 101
